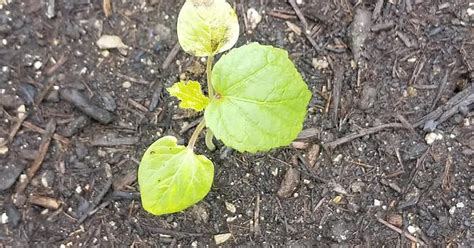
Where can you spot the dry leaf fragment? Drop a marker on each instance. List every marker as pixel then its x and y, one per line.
pixel 221 238
pixel 110 42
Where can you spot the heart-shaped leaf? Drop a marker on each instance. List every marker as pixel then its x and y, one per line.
pixel 260 101
pixel 173 178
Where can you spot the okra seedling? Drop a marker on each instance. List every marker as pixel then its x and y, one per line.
pixel 257 101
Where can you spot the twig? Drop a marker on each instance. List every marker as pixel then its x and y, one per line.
pixel 107 7
pixel 19 197
pixel 441 89
pixel 256 216
pixel 132 79
pixel 336 91
pixel 38 101
pixel 305 25
pixel 91 210
pixel 171 56
pixel 62 60
pixel 176 234
pixel 333 144
pixel 400 231
pixel 40 130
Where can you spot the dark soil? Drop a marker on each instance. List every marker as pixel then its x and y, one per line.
pixel 367 63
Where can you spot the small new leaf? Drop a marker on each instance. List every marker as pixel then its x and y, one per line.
pixel 207 27
pixel 190 95
pixel 173 178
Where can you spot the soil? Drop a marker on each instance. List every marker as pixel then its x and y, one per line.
pixel 368 63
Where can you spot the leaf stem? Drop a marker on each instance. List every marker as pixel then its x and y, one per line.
pixel 209 136
pixel 210 61
pixel 195 135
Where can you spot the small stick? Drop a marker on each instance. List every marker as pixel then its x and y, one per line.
pixel 171 56
pixel 256 217
pixel 62 60
pixel 18 197
pixel 305 25
pixel 137 105
pixel 132 79
pixel 361 133
pixel 100 196
pixel 400 231
pixel 38 101
pixel 107 7
pixel 40 130
pixel 442 87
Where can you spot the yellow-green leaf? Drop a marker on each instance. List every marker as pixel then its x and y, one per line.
pixel 207 27
pixel 190 95
pixel 173 178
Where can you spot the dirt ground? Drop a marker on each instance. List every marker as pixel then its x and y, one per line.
pixel 385 160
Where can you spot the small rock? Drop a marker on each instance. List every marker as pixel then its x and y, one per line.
pixel 222 238
pixel 411 198
pixel 110 42
pixel 4 218
pixel 78 99
pixel 53 96
pixel 412 229
pixel 254 17
pixel 126 85
pixel 9 174
pixel 230 207
pixel 395 219
pixel 47 179
pixel 367 98
pixel 320 64
pixel 37 65
pixel 14 216
pixel 200 213
pixel 357 187
pixel 460 205
pixel 430 138
pixel 289 183
pixel 377 203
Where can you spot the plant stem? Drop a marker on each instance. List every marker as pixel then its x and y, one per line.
pixel 195 135
pixel 210 61
pixel 209 136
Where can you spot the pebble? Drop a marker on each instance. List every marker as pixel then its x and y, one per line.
pixel 377 203
pixel 231 207
pixel 367 98
pixel 430 138
pixel 79 100
pixel 460 205
pixel 4 218
pixel 126 85
pixel 254 17
pixel 37 65
pixel 412 229
pixel 9 174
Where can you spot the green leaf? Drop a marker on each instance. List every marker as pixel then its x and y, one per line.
pixel 172 178
pixel 207 27
pixel 190 95
pixel 261 99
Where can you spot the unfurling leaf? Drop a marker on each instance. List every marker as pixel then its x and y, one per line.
pixel 190 95
pixel 173 178
pixel 207 27
pixel 260 100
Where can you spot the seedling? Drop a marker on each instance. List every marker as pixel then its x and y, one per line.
pixel 256 101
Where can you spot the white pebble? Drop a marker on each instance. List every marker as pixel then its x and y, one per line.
pixel 231 207
pixel 254 17
pixel 37 65
pixel 78 189
pixel 460 205
pixel 4 218
pixel 430 138
pixel 377 203
pixel 452 210
pixel 412 229
pixel 126 84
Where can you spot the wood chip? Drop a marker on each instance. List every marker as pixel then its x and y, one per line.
pixel 107 7
pixel 222 238
pixel 313 154
pixel 44 201
pixel 289 183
